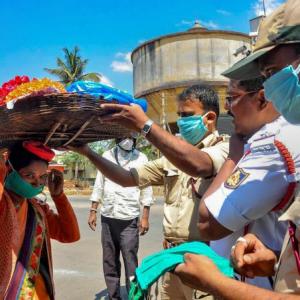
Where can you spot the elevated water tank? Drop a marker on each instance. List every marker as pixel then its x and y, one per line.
pixel 164 66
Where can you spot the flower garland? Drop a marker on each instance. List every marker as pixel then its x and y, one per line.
pixel 21 86
pixel 10 85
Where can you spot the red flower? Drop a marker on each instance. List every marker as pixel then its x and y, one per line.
pixel 18 80
pixel 10 85
pixel 25 79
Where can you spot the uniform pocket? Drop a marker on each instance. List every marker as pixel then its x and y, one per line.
pixel 172 185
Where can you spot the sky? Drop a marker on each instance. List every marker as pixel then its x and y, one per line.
pixel 34 32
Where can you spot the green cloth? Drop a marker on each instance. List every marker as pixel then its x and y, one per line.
pixel 155 265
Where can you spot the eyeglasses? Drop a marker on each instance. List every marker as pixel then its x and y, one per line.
pixel 231 98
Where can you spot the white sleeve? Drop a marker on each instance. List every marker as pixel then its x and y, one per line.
pixel 146 196
pixel 255 187
pixel 97 194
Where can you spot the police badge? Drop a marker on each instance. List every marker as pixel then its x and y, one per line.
pixel 236 178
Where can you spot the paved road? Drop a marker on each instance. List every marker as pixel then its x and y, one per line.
pixel 78 267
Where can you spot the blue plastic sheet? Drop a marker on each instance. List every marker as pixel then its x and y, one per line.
pixel 108 93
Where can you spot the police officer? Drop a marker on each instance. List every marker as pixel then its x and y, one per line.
pixel 198 110
pixel 276 51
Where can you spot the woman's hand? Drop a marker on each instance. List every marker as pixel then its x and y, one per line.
pixel 55 183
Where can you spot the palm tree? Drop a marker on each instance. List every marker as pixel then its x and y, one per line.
pixel 72 68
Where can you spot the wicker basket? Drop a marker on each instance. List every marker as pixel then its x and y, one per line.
pixel 57 120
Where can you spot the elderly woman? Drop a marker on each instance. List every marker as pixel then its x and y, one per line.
pixel 27 224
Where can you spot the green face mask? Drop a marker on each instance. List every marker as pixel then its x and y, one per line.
pixel 15 183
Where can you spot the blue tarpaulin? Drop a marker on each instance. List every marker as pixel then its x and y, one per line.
pixel 108 93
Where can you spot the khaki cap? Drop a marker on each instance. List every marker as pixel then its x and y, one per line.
pixel 280 27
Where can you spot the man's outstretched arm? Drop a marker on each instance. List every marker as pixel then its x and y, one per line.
pixel 181 154
pixel 109 169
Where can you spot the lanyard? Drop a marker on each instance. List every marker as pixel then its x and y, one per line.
pixel 116 150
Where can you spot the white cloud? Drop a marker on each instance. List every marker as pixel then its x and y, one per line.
pixel 209 24
pixel 123 64
pixel 106 80
pixel 223 12
pixel 185 22
pixel 270 5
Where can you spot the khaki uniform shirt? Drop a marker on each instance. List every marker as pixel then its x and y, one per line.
pixel 287 279
pixel 181 206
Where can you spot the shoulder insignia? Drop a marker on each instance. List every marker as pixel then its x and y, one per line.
pixel 269 148
pixel 236 178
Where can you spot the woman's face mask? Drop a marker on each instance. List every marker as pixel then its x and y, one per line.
pixel 15 183
pixel 192 128
pixel 283 89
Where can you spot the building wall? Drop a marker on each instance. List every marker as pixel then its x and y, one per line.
pixel 177 60
pixel 165 66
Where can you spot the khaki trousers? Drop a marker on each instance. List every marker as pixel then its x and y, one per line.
pixel 173 289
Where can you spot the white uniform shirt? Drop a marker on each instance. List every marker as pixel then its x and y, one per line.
pixel 255 187
pixel 119 202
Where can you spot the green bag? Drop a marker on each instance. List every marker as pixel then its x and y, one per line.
pixel 156 265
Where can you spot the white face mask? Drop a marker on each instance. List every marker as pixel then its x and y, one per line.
pixel 126 144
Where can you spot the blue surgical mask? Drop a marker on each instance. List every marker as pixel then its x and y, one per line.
pixel 283 89
pixel 15 183
pixel 192 128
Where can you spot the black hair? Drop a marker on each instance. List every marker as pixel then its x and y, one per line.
pixel 254 84
pixel 205 94
pixel 21 158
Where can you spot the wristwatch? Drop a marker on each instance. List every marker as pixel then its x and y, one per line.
pixel 147 126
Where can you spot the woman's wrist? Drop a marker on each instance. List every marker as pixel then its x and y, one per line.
pixel 56 195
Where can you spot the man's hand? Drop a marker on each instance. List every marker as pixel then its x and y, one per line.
pixel 130 116
pixel 92 221
pixel 144 226
pixel 198 272
pixel 55 183
pixel 252 258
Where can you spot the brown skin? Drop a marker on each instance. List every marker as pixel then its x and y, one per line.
pixel 36 174
pixel 185 108
pixel 200 273
pixel 250 113
pixel 180 153
pixel 277 59
pixel 252 258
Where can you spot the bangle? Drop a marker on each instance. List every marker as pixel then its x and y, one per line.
pixel 94 209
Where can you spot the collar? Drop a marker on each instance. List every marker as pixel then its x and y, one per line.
pixel 272 128
pixel 208 140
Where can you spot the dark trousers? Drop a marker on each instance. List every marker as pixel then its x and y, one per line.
pixel 119 236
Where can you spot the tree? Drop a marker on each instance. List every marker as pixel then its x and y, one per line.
pixel 74 160
pixel 72 68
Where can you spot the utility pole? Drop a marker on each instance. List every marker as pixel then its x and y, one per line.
pixel 264 7
pixel 163 110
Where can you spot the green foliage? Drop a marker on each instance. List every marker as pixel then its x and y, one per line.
pixel 145 147
pixel 74 160
pixel 72 68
